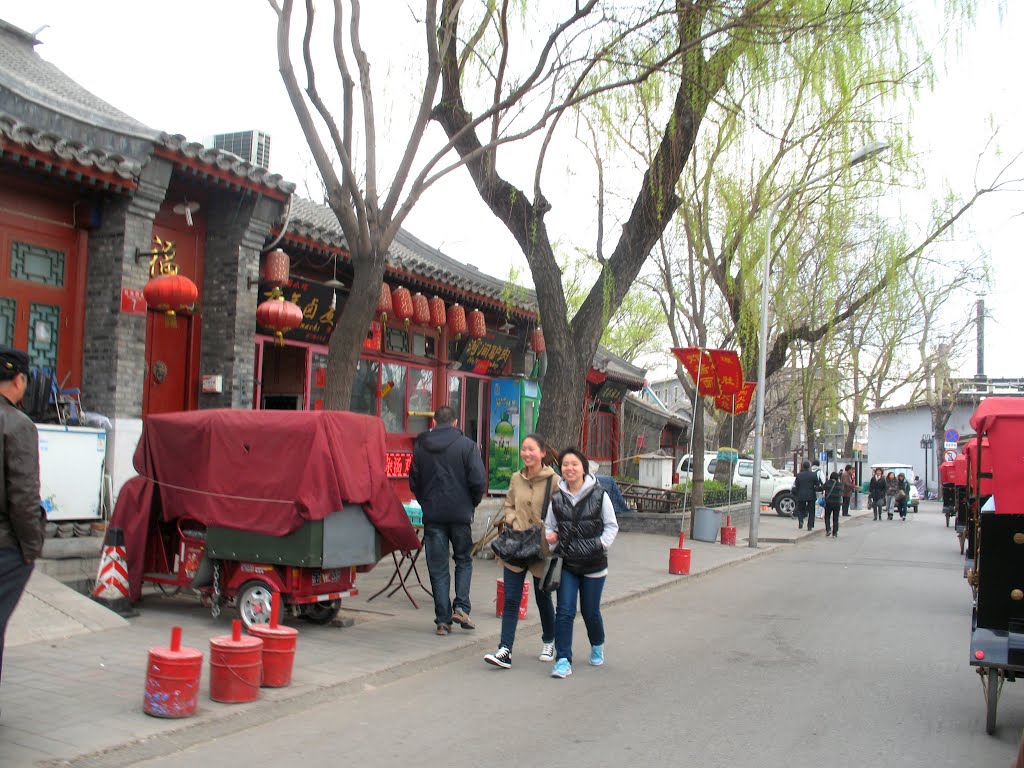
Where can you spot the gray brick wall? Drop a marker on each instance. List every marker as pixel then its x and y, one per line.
pixel 114 344
pixel 236 232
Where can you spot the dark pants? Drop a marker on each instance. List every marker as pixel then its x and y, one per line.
pixel 14 573
pixel 805 509
pixel 831 518
pixel 878 504
pixel 846 506
pixel 510 611
pixel 436 537
pixel 588 592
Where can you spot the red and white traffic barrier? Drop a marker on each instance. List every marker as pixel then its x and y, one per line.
pixel 112 578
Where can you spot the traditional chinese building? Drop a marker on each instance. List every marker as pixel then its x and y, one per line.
pixel 94 205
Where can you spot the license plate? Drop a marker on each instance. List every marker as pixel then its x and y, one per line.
pixel 327 577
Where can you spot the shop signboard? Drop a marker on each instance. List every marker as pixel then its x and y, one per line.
pixel 487 356
pixel 314 299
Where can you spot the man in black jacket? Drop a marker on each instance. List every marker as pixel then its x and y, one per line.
pixel 21 518
pixel 447 477
pixel 805 489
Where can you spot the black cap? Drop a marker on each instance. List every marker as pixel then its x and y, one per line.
pixel 12 361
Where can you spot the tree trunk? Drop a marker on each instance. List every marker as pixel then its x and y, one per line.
pixel 350 329
pixel 562 396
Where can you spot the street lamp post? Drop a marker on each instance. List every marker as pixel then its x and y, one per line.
pixel 926 444
pixel 862 154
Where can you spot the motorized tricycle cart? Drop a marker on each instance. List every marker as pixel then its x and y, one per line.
pixel 238 505
pixel 997 575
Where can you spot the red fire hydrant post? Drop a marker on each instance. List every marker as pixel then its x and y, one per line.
pixel 728 531
pixel 679 558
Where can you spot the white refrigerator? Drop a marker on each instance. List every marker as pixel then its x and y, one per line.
pixel 71 465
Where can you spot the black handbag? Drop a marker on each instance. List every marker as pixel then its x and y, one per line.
pixel 519 548
pixel 552 575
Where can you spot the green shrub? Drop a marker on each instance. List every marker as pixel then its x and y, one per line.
pixel 715 493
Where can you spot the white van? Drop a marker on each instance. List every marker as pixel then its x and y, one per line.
pixel 776 488
pixel 896 468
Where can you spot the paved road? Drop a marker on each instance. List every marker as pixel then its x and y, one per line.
pixel 840 652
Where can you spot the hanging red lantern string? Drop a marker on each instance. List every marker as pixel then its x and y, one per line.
pixel 457 320
pixel 402 300
pixel 438 316
pixel 276 268
pixel 420 309
pixel 278 315
pixel 384 303
pixel 477 324
pixel 537 340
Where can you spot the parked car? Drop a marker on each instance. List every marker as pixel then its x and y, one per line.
pixel 775 489
pixel 896 469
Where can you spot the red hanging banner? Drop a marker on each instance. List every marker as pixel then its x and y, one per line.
pixel 720 370
pixel 742 400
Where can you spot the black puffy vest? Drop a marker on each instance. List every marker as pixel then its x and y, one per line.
pixel 579 531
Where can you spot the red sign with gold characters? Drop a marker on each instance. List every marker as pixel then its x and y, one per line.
pixel 738 403
pixel 397 463
pixel 716 371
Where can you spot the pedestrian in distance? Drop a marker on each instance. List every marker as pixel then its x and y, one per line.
pixel 447 478
pixel 21 515
pixel 848 485
pixel 876 493
pixel 833 501
pixel 580 526
pixel 890 493
pixel 902 495
pixel 805 489
pixel 529 493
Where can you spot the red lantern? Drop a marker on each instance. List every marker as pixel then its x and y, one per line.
pixel 457 320
pixel 437 313
pixel 477 324
pixel 402 300
pixel 170 294
pixel 276 268
pixel 537 340
pixel 384 304
pixel 420 309
pixel 279 315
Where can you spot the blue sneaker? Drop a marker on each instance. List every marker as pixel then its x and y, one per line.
pixel 597 655
pixel 562 668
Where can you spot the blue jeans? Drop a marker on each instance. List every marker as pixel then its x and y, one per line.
pixel 436 537
pixel 588 591
pixel 510 611
pixel 14 573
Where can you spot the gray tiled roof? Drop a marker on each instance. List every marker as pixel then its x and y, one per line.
pixel 25 73
pixel 617 368
pixel 226 161
pixel 407 252
pixel 673 418
pixel 66 149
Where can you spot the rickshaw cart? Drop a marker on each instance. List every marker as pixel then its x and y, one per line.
pixel 238 505
pixel 997 638
pixel 961 506
pixel 948 491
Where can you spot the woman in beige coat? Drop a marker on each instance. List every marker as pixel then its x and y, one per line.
pixel 528 494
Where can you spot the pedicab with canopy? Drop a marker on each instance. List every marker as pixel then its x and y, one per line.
pixel 237 505
pixel 995 458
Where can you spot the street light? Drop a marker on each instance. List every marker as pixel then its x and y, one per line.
pixel 926 444
pixel 858 157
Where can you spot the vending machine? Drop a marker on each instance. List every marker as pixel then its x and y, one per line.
pixel 515 404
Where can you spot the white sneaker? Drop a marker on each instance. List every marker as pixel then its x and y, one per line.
pixel 547 652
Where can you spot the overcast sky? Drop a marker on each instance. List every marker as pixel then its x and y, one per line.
pixel 199 68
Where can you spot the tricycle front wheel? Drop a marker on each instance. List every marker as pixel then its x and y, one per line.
pixel 321 613
pixel 253 602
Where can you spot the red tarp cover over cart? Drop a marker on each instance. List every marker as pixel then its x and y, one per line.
pixel 260 471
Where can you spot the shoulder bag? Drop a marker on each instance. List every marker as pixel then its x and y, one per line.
pixel 520 548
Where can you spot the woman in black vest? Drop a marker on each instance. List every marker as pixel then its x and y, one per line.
pixel 580 526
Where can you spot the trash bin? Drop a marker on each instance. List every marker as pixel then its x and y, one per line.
pixel 706 524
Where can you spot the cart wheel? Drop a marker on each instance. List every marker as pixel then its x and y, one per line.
pixel 253 603
pixel 947 521
pixel 321 613
pixel 962 540
pixel 991 700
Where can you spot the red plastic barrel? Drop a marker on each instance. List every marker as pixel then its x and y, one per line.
pixel 729 535
pixel 236 665
pixel 278 653
pixel 524 604
pixel 679 561
pixel 172 679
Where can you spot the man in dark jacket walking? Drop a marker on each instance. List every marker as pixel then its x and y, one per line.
pixel 21 518
pixel 805 489
pixel 447 477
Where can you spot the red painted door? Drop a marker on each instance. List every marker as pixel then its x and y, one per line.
pixel 168 369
